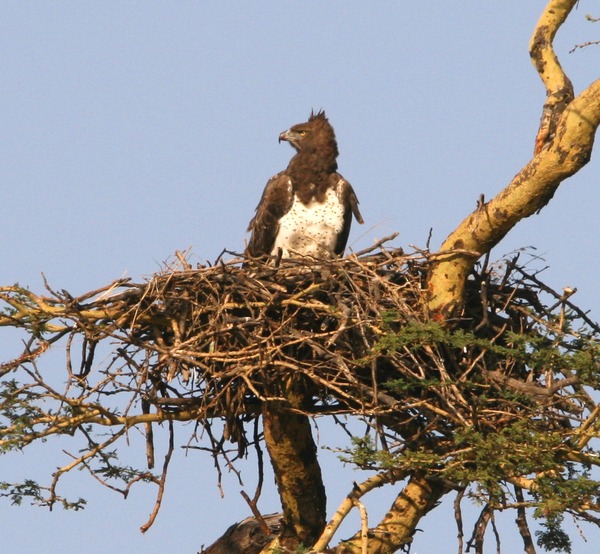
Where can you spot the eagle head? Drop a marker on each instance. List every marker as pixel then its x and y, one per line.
pixel 315 135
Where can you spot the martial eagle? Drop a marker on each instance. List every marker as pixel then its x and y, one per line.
pixel 305 210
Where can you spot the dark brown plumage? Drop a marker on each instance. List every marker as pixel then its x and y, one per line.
pixel 306 209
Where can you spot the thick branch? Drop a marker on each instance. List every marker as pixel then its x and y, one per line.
pixel 530 190
pixel 563 146
pixel 559 90
pixel 398 526
pixel 351 501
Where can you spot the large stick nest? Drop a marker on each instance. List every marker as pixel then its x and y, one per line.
pixel 353 333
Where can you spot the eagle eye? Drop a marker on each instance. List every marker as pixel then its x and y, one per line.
pixel 301 133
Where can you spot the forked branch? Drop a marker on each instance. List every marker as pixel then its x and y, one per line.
pixel 563 146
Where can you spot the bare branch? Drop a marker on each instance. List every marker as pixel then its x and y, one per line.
pixel 522 524
pixel 419 496
pixel 349 502
pixel 161 482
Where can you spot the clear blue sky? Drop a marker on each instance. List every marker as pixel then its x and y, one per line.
pixel 129 130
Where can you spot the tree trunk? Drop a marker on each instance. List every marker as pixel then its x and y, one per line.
pixel 293 454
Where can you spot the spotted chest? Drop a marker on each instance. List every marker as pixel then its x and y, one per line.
pixel 311 229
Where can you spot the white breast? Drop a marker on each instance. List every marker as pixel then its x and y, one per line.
pixel 311 230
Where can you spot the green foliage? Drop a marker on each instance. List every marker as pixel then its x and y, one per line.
pixel 409 334
pixel 18 412
pixel 584 360
pixel 552 537
pixel 17 492
pixel 525 437
pixel 539 349
pixel 558 492
pixel 412 386
pixel 517 449
pixel 363 454
pixel 22 310
pixel 474 456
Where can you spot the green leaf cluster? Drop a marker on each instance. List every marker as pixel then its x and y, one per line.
pixel 18 412
pixel 18 492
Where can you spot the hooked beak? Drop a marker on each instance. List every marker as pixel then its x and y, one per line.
pixel 292 137
pixel 285 136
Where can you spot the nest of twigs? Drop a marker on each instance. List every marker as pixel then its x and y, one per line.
pixel 354 334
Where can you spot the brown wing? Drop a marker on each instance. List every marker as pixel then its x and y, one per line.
pixel 348 198
pixel 275 202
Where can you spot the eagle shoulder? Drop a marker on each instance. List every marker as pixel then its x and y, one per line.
pixel 275 202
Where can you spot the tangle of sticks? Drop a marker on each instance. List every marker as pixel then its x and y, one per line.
pixel 214 342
